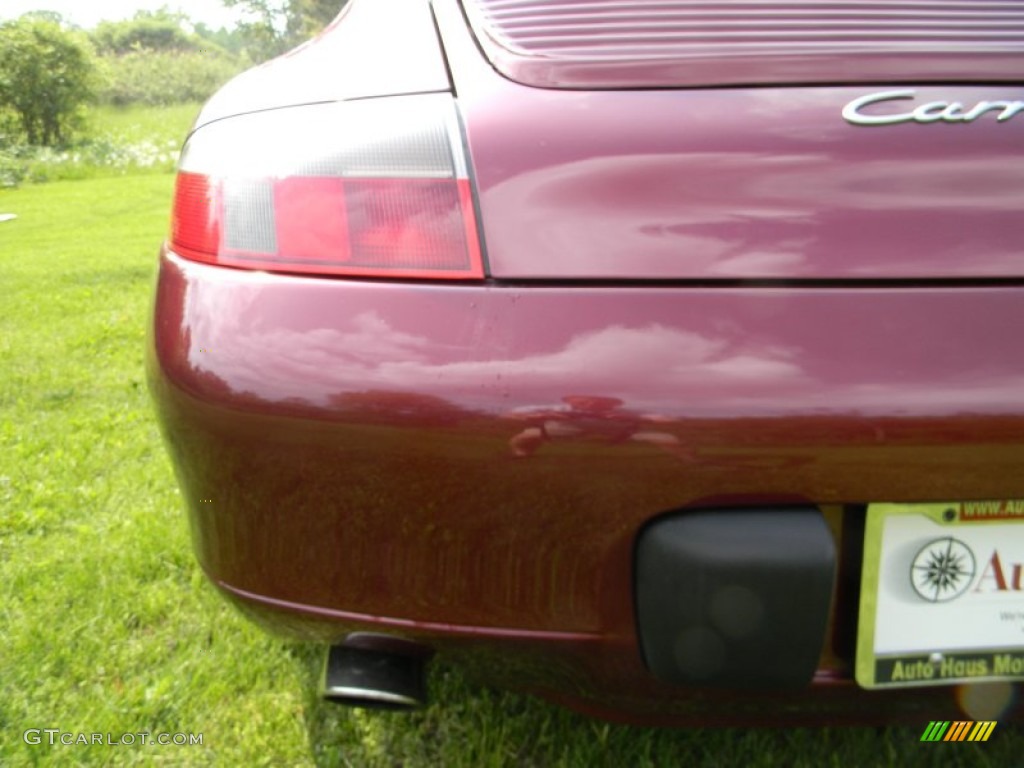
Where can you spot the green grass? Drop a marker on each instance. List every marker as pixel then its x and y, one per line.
pixel 136 124
pixel 106 624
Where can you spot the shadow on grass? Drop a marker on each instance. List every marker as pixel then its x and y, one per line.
pixel 470 725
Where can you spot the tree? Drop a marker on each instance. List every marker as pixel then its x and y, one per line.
pixel 276 26
pixel 53 16
pixel 161 30
pixel 307 17
pixel 229 40
pixel 46 74
pixel 119 37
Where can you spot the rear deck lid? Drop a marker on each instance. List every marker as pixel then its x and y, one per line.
pixel 843 158
pixel 688 43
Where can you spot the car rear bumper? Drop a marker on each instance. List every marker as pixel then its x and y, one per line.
pixel 470 465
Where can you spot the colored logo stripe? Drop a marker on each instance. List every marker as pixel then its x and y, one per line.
pixel 960 730
pixel 935 730
pixel 957 731
pixel 982 731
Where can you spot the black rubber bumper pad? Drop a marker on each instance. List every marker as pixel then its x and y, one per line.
pixel 735 598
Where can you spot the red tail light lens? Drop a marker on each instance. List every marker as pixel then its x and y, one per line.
pixel 376 188
pixel 195 226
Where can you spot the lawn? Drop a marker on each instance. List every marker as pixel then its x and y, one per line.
pixel 106 624
pixel 137 123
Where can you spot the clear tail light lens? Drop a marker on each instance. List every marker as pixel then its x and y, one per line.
pixel 376 188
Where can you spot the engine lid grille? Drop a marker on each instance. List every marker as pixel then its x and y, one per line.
pixel 687 43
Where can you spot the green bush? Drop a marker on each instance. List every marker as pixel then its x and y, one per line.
pixel 159 78
pixel 47 73
pixel 146 32
pixel 13 168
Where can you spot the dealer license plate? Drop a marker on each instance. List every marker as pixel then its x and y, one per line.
pixel 942 594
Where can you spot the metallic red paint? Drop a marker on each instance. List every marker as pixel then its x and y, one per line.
pixel 764 183
pixel 357 440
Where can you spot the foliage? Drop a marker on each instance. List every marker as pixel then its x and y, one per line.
pixel 166 77
pixel 155 59
pixel 170 80
pixel 276 26
pixel 13 167
pixel 51 16
pixel 47 73
pixel 232 40
pixel 10 126
pixel 159 31
pixel 307 17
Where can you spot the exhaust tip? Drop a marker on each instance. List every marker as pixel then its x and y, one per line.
pixel 375 679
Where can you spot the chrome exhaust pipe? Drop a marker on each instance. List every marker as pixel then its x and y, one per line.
pixel 375 672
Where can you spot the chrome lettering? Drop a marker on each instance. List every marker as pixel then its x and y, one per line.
pixel 953 112
pixel 931 112
pixel 926 113
pixel 852 113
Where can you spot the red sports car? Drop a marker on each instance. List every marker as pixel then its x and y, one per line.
pixel 663 359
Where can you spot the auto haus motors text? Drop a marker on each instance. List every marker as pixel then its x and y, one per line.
pixel 950 666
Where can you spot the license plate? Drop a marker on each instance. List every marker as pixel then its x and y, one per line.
pixel 942 594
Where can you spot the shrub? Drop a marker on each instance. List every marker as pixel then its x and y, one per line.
pixel 145 32
pixel 159 78
pixel 47 73
pixel 12 168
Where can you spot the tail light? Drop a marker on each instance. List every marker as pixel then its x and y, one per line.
pixel 376 188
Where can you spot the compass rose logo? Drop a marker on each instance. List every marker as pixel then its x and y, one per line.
pixel 942 570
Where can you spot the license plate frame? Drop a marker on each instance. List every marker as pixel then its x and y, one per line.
pixel 942 594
